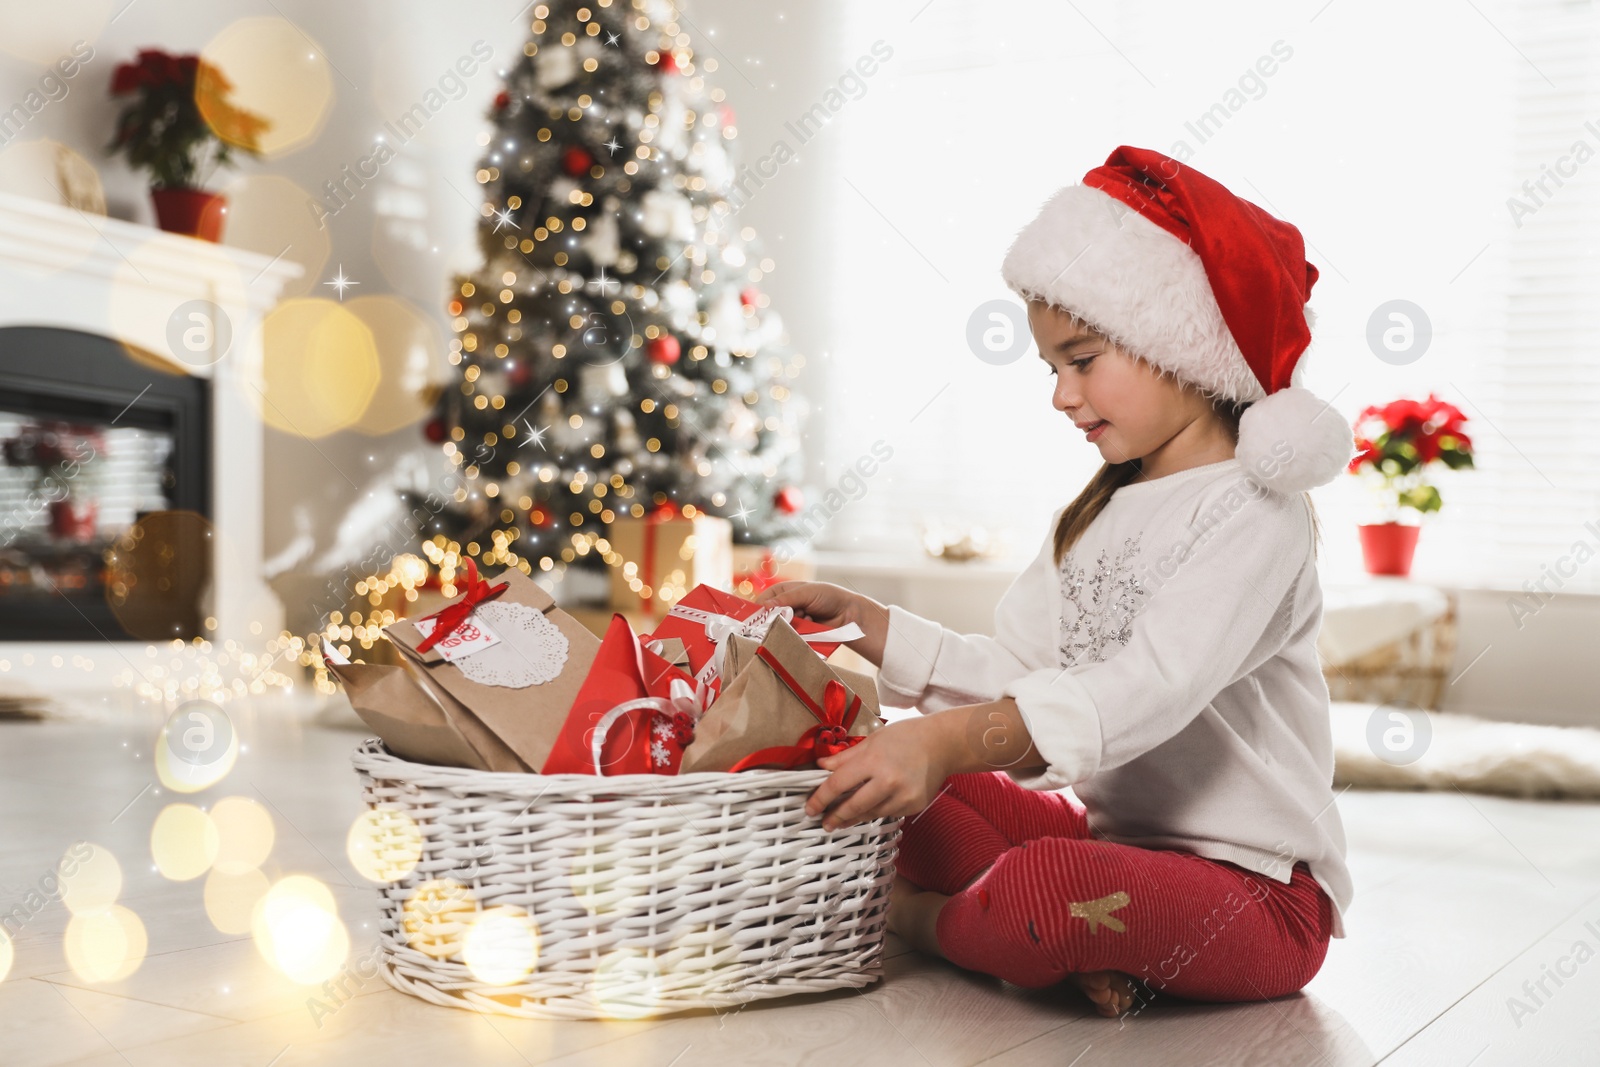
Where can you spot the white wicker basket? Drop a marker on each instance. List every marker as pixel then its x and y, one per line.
pixel 647 894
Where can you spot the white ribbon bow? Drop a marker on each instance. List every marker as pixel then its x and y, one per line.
pixel 693 700
pixel 720 627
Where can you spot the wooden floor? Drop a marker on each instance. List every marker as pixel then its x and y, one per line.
pixel 1462 903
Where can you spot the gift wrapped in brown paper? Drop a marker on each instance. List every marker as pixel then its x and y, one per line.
pixel 401 708
pixel 784 704
pixel 667 553
pixel 507 662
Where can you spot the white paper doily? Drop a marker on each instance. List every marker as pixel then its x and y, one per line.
pixel 532 650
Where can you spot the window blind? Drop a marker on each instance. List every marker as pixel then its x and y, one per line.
pixel 1538 432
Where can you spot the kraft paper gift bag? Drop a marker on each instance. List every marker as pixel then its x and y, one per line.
pixel 785 698
pixel 509 661
pixel 410 719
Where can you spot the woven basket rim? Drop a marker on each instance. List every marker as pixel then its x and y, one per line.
pixel 371 757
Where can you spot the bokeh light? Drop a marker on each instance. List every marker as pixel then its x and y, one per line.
pixel 28 168
pixel 297 930
pixel 627 985
pixel 227 671
pixel 596 881
pixel 267 214
pixel 183 842
pixel 95 884
pixel 42 169
pixel 319 370
pixel 181 776
pixel 409 344
pixel 105 945
pixel 48 33
pixel 277 73
pixel 148 328
pixel 437 916
pixel 156 573
pixel 231 899
pixel 244 835
pixel 501 946
pixel 384 845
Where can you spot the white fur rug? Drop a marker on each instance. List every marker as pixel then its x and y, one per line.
pixel 1474 755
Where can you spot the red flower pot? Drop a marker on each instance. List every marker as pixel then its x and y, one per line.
pixel 1388 547
pixel 191 212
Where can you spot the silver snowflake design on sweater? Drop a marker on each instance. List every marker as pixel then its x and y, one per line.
pixel 1098 608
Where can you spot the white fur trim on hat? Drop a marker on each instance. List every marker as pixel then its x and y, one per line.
pixel 1293 441
pixel 1089 253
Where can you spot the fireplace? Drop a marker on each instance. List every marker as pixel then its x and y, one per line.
pixel 131 447
pixel 105 500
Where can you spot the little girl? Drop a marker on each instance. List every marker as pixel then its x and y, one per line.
pixel 1159 654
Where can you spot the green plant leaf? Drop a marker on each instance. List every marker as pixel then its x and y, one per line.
pixel 1424 498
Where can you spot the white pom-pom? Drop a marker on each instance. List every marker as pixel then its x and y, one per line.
pixel 1293 440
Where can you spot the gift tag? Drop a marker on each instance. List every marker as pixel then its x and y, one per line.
pixel 528 648
pixel 471 636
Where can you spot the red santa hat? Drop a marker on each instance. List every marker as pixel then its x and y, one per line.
pixel 1172 267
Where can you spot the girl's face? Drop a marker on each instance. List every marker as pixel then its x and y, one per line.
pixel 1124 407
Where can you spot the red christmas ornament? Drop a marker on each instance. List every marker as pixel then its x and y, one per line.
pixel 667 63
pixel 576 161
pixel 501 99
pixel 435 431
pixel 749 295
pixel 664 350
pixel 789 500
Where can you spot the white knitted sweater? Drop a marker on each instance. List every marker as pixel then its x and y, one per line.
pixel 1168 672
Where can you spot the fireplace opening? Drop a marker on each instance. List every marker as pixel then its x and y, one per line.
pixel 105 503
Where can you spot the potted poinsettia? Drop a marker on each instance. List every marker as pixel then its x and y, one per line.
pixel 180 127
pixel 1398 445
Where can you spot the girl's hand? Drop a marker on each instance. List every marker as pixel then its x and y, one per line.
pixel 831 605
pixel 896 770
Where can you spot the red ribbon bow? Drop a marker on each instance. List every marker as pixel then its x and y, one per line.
pixel 830 735
pixel 683 728
pixel 448 619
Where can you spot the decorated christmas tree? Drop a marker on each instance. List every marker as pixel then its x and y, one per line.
pixel 616 351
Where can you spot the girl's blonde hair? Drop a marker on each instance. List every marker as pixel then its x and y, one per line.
pixel 1113 476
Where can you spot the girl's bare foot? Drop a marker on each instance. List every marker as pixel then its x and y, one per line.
pixel 914 915
pixel 1111 992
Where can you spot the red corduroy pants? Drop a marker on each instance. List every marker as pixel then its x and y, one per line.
pixel 1035 896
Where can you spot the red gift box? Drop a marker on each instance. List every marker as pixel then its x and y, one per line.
pixel 705 618
pixel 634 713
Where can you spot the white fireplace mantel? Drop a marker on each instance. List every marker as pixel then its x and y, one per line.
pixel 62 268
